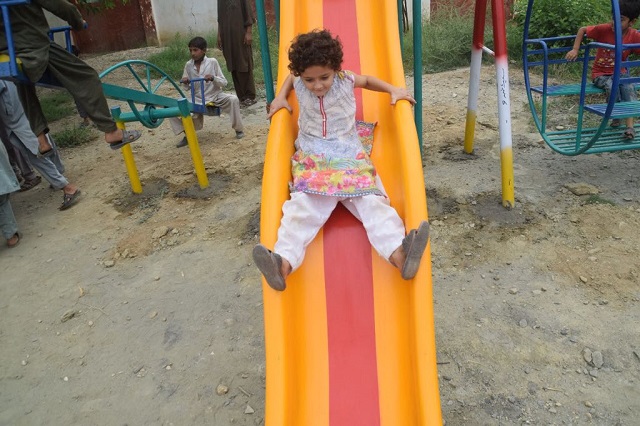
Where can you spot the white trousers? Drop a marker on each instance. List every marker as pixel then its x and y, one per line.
pixel 305 214
pixel 228 103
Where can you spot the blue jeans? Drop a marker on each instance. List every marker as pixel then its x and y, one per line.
pixel 626 92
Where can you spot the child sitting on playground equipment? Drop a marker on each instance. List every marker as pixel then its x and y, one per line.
pixel 603 65
pixel 38 54
pixel 330 164
pixel 201 66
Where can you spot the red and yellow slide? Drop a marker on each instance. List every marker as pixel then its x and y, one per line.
pixel 349 342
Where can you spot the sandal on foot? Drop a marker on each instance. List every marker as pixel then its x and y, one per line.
pixel 182 143
pixel 630 133
pixel 270 264
pixel 28 184
pixel 248 102
pixel 18 237
pixel 413 245
pixel 69 200
pixel 615 122
pixel 128 136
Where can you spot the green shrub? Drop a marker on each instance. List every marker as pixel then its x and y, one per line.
pixel 56 104
pixel 561 17
pixel 74 136
pixel 447 39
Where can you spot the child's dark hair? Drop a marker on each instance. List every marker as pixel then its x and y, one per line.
pixel 317 47
pixel 198 42
pixel 630 9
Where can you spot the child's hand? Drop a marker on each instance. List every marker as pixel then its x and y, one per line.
pixel 571 55
pixel 400 93
pixel 184 81
pixel 276 105
pixel 208 77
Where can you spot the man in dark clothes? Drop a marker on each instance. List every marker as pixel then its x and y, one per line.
pixel 235 20
pixel 39 54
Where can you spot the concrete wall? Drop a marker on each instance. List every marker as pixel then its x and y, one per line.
pixel 188 17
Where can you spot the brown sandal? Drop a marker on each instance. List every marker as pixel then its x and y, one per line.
pixel 270 264
pixel 29 184
pixel 413 245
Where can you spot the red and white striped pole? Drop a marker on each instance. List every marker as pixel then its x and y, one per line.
pixel 502 83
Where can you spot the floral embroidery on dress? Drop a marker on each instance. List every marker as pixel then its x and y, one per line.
pixel 365 133
pixel 332 155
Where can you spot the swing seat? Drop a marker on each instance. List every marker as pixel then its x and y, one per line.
pixel 209 108
pixel 6 72
pixel 47 80
pixel 620 109
pixel 566 142
pixel 567 89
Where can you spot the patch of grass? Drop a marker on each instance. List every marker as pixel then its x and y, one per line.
pixel 596 199
pixel 57 104
pixel 447 39
pixel 74 136
pixel 171 60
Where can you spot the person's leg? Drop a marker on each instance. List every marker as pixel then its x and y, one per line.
pixel 48 168
pixel 230 104
pixel 85 86
pixel 55 158
pixel 384 227
pixel 12 154
pixel 237 85
pixel 43 165
pixel 385 230
pixel 628 94
pixel 23 165
pixel 35 115
pixel 302 218
pixel 606 82
pixel 83 83
pixel 8 223
pixel 248 83
pixel 246 88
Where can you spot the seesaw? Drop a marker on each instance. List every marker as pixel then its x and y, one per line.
pixel 147 106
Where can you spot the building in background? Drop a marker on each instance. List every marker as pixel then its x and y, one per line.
pixel 141 23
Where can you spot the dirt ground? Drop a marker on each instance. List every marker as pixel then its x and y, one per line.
pixel 147 309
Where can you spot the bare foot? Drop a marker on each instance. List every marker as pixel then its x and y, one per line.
pixel 70 189
pixel 398 257
pixel 285 269
pixel 43 144
pixel 113 137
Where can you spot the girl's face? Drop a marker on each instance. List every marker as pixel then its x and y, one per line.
pixel 318 79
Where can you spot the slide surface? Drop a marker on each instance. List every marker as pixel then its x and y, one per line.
pixel 349 342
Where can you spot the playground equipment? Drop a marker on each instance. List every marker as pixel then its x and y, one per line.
pixel 148 106
pixel 591 132
pixel 349 342
pixel 502 84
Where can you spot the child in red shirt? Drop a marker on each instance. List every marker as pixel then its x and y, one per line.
pixel 603 65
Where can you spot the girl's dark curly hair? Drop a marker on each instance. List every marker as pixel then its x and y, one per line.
pixel 315 48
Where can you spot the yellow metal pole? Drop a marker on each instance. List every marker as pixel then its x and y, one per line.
pixel 130 163
pixel 192 139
